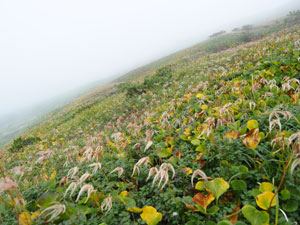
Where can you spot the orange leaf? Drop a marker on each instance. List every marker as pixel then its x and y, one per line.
pixel 234 219
pixel 203 200
pixel 187 170
pixel 233 134
pixel 191 207
pixel 178 154
pixel 252 139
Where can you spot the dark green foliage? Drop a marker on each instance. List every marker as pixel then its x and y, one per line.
pixel 20 143
pixel 162 76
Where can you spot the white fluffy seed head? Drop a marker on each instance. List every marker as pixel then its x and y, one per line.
pixel 120 171
pixel 294 165
pixel 200 173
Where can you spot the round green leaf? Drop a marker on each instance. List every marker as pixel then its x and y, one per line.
pixel 285 194
pixel 240 223
pixel 164 153
pixel 217 187
pixel 290 206
pixel 210 223
pixel 224 222
pixel 195 142
pixel 254 216
pixel 243 169
pixel 238 185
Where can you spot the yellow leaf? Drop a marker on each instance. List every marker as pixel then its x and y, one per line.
pixel 252 124
pixel 204 107
pixel 53 175
pixel 187 170
pixel 266 186
pixel 45 177
pixel 252 139
pixel 251 142
pixel 24 219
pixel 203 200
pixel 201 96
pixel 200 186
pixel 233 134
pixel 123 194
pixel 263 200
pixel 150 215
pixel 34 215
pixel 135 209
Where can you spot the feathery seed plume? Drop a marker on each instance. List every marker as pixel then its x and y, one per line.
pixel 54 211
pixel 119 169
pixel 198 172
pixel 87 187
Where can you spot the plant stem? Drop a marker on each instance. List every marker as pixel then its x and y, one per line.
pixel 282 178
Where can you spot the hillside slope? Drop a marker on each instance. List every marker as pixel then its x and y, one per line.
pixel 207 138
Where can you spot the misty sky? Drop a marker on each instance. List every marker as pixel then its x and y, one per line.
pixel 48 47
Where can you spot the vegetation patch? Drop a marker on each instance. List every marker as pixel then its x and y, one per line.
pixel 212 140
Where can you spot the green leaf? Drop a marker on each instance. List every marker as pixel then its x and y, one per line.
pixel 158 138
pixel 254 216
pixel 217 187
pixel 164 153
pixel 201 148
pixel 240 223
pixel 285 194
pixel 224 222
pixel 243 169
pixel 195 142
pixel 254 192
pixel 47 198
pixel 173 160
pixel 290 206
pixel 200 208
pixel 213 210
pixel 209 223
pixel 238 185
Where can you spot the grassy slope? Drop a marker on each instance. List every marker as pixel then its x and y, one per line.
pixel 185 111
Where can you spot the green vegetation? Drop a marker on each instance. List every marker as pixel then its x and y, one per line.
pixel 19 143
pixel 157 80
pixel 204 139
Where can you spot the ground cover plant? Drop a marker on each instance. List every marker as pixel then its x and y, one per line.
pixel 211 140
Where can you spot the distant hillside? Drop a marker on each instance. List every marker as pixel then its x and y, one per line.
pixel 15 124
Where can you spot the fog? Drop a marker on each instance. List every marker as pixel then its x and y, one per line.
pixel 49 47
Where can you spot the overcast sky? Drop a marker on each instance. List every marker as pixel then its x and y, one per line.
pixel 48 47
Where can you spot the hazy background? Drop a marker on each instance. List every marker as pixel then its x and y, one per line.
pixel 48 47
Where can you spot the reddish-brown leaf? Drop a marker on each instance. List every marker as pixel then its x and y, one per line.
pixel 234 219
pixel 203 200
